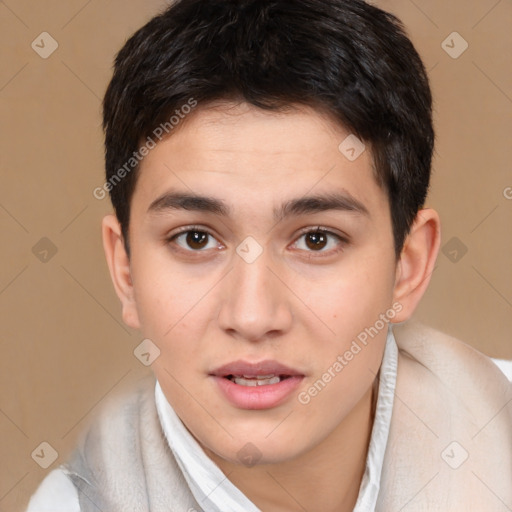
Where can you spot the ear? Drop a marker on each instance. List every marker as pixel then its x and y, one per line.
pixel 416 262
pixel 120 271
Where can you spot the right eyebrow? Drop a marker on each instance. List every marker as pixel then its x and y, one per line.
pixel 342 201
pixel 191 202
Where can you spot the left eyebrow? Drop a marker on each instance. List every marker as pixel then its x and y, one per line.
pixel 320 203
pixel 191 202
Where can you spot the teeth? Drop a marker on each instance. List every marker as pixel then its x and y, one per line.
pixel 260 380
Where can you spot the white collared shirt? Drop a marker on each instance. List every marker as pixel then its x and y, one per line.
pixel 209 486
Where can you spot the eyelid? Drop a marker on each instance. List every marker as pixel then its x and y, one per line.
pixel 342 239
pixel 171 236
pixel 321 229
pixel 184 229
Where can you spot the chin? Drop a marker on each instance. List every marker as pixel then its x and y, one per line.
pixel 257 449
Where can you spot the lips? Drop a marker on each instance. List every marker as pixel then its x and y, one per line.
pixel 261 385
pixel 260 370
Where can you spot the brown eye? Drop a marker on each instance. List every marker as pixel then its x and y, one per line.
pixel 197 239
pixel 316 240
pixel 321 241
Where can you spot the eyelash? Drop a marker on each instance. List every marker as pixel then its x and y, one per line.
pixel 341 240
pixel 189 229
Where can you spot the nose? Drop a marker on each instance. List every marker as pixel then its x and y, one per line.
pixel 255 305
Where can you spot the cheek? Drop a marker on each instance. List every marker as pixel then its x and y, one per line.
pixel 354 305
pixel 174 320
pixel 177 314
pixel 352 298
pixel 167 297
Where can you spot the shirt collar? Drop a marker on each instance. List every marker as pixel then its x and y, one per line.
pixel 370 484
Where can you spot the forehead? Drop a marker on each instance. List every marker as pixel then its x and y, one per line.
pixel 240 126
pixel 236 150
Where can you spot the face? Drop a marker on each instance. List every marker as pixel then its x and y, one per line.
pixel 258 249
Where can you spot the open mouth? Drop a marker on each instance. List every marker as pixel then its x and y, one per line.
pixel 258 380
pixel 261 385
pixel 256 385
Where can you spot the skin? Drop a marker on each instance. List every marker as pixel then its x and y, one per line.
pixel 298 303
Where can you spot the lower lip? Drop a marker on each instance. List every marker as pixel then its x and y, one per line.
pixel 258 397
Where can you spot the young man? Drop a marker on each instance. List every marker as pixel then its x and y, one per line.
pixel 268 163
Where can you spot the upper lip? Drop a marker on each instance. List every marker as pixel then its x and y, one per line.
pixel 246 369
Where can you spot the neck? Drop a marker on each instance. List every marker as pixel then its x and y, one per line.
pixel 326 478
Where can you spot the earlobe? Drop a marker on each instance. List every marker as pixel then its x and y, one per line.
pixel 120 271
pixel 416 263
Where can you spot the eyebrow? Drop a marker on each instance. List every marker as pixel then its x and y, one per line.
pixel 295 207
pixel 342 201
pixel 192 202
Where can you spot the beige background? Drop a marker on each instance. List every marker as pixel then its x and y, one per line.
pixel 63 344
